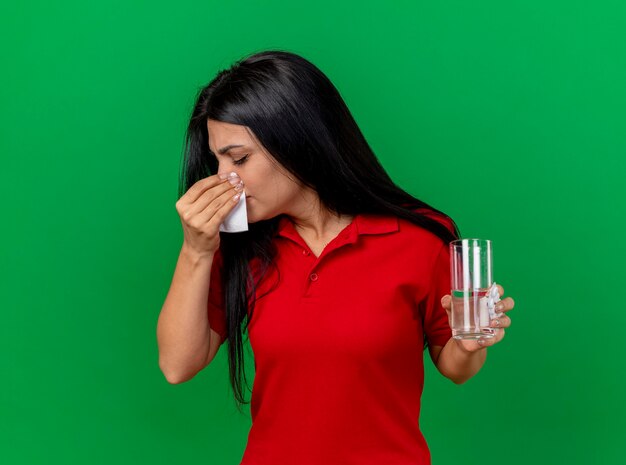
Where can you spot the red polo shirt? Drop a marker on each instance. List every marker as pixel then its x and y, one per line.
pixel 338 344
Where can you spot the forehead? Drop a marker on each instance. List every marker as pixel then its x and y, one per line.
pixel 223 134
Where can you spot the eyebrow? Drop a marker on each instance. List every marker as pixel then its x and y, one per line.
pixel 225 149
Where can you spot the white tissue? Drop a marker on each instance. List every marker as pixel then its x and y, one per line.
pixel 237 219
pixel 493 297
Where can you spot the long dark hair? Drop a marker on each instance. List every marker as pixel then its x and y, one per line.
pixel 300 118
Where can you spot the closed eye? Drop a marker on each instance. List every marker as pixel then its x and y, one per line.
pixel 241 161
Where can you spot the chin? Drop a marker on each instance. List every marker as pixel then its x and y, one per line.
pixel 252 218
pixel 255 218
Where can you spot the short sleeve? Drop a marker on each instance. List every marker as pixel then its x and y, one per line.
pixel 216 306
pixel 435 318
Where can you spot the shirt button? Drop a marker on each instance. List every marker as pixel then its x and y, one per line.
pixel 313 276
pixel 305 252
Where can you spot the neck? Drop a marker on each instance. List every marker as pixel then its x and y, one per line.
pixel 317 223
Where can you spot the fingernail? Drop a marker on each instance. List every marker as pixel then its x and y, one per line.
pixel 236 197
pixel 235 181
pixel 499 307
pixel 228 175
pixel 239 187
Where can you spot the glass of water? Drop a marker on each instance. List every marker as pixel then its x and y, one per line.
pixel 473 294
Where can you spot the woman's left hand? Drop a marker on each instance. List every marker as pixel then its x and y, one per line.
pixel 502 321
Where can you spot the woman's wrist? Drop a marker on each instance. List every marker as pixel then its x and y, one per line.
pixel 196 257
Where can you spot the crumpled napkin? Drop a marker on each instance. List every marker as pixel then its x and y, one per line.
pixel 237 219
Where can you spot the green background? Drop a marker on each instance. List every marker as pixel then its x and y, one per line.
pixel 508 116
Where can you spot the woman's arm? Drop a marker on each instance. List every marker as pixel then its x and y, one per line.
pixel 183 329
pixel 456 363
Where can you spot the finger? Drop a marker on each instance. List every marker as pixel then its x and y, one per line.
pixel 489 341
pixel 499 335
pixel 505 305
pixel 484 342
pixel 222 213
pixel 208 197
pixel 217 211
pixel 500 289
pixel 199 187
pixel 469 345
pixel 501 322
pixel 446 300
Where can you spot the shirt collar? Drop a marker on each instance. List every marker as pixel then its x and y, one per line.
pixel 368 223
pixel 363 223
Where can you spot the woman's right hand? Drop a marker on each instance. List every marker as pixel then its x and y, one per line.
pixel 204 207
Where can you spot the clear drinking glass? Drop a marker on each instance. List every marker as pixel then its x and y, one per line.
pixel 473 297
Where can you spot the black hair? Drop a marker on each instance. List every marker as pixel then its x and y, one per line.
pixel 300 118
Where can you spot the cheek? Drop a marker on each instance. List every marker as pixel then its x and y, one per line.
pixel 280 189
pixel 258 182
pixel 265 183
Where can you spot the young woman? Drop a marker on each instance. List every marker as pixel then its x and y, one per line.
pixel 340 282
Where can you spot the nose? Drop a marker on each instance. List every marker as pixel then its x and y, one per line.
pixel 227 168
pixel 234 179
